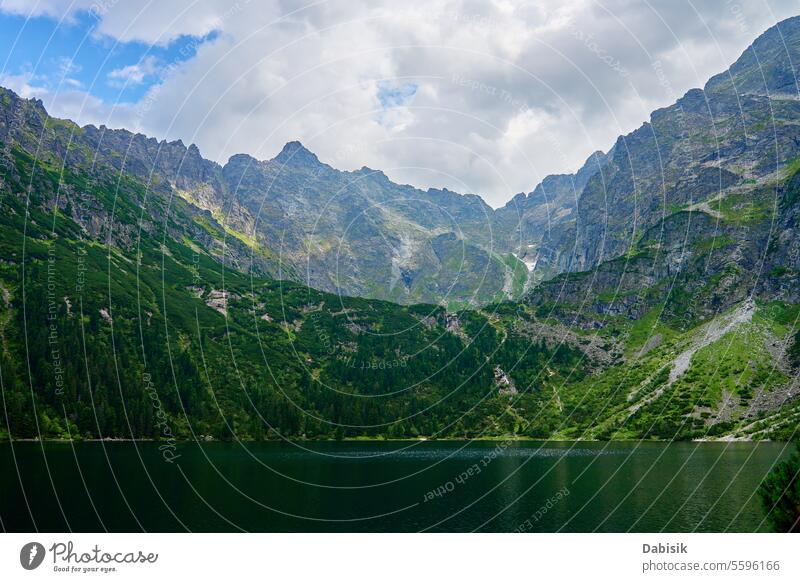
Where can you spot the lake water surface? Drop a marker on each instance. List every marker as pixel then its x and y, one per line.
pixel 385 486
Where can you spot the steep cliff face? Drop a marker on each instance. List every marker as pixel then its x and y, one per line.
pixel 695 210
pixel 780 276
pixel 530 224
pixel 724 143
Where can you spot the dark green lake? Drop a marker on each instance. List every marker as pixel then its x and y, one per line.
pixel 385 486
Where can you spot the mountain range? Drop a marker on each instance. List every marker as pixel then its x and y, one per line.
pixel 653 293
pixel 354 233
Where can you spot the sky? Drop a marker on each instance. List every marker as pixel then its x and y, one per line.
pixel 478 96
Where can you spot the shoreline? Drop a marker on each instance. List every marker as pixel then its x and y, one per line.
pixel 375 440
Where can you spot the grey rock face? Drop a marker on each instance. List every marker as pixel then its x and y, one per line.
pixel 355 233
pixel 693 210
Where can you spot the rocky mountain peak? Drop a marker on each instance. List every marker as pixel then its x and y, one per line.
pixel 373 174
pixel 296 154
pixel 239 159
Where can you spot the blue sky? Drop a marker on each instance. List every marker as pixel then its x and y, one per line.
pixel 391 95
pixel 72 55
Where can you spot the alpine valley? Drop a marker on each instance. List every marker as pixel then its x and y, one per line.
pixel 150 293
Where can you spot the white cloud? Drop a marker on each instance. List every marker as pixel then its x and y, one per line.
pixel 506 92
pixel 23 85
pixel 135 74
pixel 134 20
